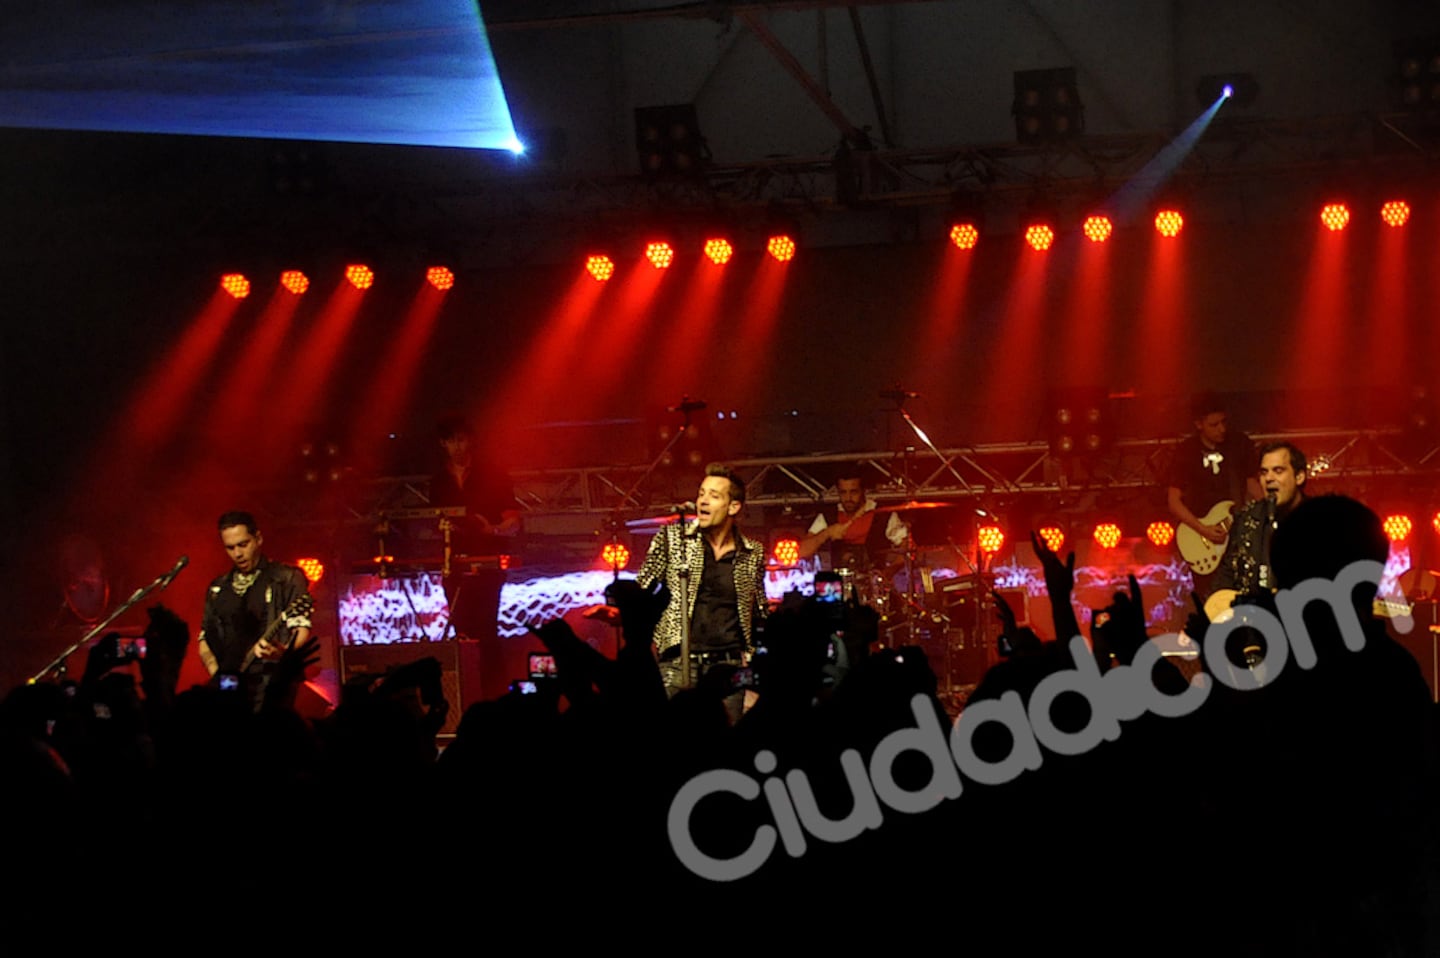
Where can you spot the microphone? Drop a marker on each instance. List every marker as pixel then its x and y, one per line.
pixel 683 509
pixel 169 577
pixel 688 405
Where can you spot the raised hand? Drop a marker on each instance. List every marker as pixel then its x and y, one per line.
pixel 1059 576
pixel 1059 584
pixel 1124 629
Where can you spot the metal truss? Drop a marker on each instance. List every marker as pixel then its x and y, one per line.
pixel 505 215
pixel 988 474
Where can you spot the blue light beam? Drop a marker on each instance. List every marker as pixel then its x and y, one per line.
pixel 413 72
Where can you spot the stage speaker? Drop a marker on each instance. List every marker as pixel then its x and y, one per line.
pixel 459 669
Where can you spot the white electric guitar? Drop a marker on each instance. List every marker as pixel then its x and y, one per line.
pixel 1202 554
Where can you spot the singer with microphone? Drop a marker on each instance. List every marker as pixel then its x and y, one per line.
pixel 1245 567
pixel 253 613
pixel 716 578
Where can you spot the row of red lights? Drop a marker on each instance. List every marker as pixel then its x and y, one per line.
pixel 1098 228
pixel 357 275
pixel 991 539
pixel 718 250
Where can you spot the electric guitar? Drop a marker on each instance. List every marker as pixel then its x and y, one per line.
pixel 1202 554
pixel 301 605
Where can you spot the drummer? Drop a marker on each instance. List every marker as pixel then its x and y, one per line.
pixel 857 537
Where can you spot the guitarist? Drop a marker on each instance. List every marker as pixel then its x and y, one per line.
pixel 1210 467
pixel 245 603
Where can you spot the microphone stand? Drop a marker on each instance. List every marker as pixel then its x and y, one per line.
pixel 685 675
pixel 161 582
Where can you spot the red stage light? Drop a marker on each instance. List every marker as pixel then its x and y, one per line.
pixel 314 569
pixel 1398 527
pixel 1168 223
pixel 1098 228
pixel 1395 213
pixel 1335 216
pixel 964 235
pixel 786 552
pixel 440 277
pixel 719 251
pixel 360 275
pixel 1054 537
pixel 781 247
pixel 1039 236
pixel 1107 535
pixel 600 267
pixel 235 284
pixel 660 255
pixel 1435 521
pixel 615 555
pixel 1160 533
pixel 295 281
pixel 990 539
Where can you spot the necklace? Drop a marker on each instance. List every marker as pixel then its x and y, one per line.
pixel 242 581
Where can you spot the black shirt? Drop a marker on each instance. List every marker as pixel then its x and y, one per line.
pixel 1207 476
pixel 716 622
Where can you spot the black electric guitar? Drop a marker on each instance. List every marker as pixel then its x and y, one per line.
pixel 1202 554
pixel 277 633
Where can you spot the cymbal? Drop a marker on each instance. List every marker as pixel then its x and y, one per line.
pixel 915 504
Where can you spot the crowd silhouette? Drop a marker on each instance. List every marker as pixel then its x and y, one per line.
pixel 1293 818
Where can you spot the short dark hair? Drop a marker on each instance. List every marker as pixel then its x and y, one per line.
pixel 737 485
pixel 851 471
pixel 453 426
pixel 1204 403
pixel 237 518
pixel 1297 458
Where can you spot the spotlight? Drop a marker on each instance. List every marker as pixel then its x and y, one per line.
pixel 295 281
pixel 1079 423
pixel 719 251
pixel 782 247
pixel 1107 535
pixel 990 539
pixel 1168 223
pixel 360 275
pixel 235 284
pixel 786 552
pixel 1395 213
pixel 660 254
pixel 314 569
pixel 600 267
pixel 1335 216
pixel 1047 105
pixel 1416 81
pixel 1397 527
pixel 669 142
pixel 515 146
pixel 1160 533
pixel 1054 536
pixel 1039 236
pixel 964 235
pixel 1435 521
pixel 1236 89
pixel 440 277
pixel 1098 228
pixel 615 555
